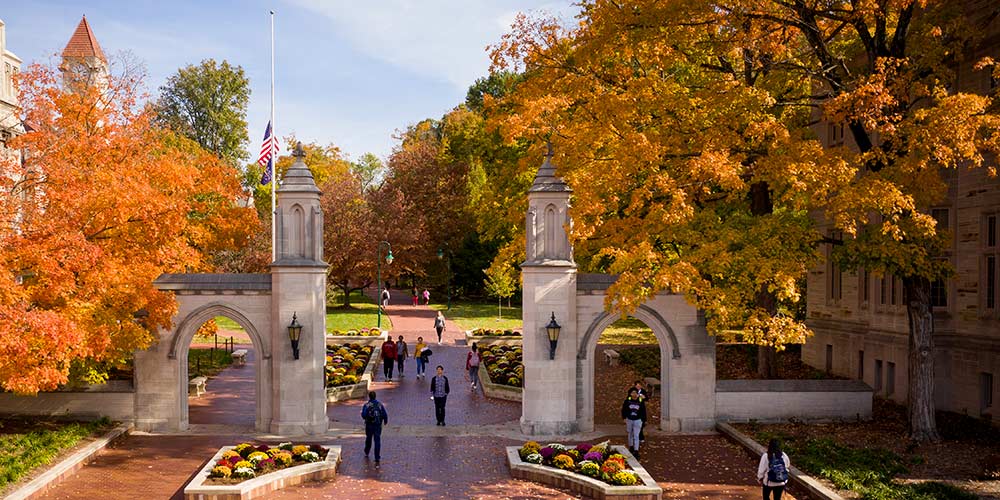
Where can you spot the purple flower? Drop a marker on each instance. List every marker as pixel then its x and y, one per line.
pixel 547 452
pixel 594 456
pixel 583 447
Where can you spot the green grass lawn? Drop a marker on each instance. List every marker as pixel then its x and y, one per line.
pixel 202 363
pixel 227 324
pixel 628 331
pixel 25 444
pixel 472 315
pixel 361 314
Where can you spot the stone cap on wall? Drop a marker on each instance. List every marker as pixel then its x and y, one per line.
pixel 214 282
pixel 791 386
pixel 592 281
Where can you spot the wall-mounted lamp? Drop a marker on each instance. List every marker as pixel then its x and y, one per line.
pixel 294 332
pixel 553 330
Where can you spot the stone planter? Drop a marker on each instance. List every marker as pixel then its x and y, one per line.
pixel 498 391
pixel 491 339
pixel 359 390
pixel 259 487
pixel 355 339
pixel 583 485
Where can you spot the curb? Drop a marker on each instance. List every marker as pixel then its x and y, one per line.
pixel 816 489
pixel 68 466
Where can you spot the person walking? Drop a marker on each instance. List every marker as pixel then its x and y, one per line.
pixel 427 297
pixel 439 392
pixel 401 355
pixel 388 358
pixel 416 300
pixel 418 354
pixel 772 472
pixel 375 416
pixel 472 365
pixel 633 413
pixel 641 388
pixel 439 325
pixel 385 298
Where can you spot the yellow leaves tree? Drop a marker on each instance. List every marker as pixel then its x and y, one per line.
pixel 104 203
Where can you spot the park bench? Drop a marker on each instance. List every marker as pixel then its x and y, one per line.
pixel 612 356
pixel 196 386
pixel 240 356
pixel 652 384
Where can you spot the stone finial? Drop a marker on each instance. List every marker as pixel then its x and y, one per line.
pixel 545 178
pixel 549 153
pixel 299 152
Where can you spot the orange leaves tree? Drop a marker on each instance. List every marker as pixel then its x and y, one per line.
pixel 685 129
pixel 102 205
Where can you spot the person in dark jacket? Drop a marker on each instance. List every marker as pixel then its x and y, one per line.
pixel 641 388
pixel 388 358
pixel 634 413
pixel 375 416
pixel 401 354
pixel 439 392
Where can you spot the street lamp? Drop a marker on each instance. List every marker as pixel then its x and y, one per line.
pixel 378 263
pixel 553 330
pixel 441 256
pixel 294 333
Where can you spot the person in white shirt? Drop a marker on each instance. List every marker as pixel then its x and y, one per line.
pixel 772 472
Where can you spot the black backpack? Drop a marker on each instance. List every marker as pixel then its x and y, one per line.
pixel 373 413
pixel 776 471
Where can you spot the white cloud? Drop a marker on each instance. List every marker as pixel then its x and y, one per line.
pixel 443 40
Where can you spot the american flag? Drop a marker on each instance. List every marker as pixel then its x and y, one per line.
pixel 266 155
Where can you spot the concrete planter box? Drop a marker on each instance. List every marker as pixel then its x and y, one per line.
pixel 355 339
pixel 260 486
pixel 583 485
pixel 491 339
pixel 359 390
pixel 498 391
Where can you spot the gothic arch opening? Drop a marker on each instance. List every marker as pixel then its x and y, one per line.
pixel 297 232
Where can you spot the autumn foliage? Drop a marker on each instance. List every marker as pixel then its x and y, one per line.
pixel 104 203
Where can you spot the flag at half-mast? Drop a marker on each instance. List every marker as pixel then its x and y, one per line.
pixel 267 155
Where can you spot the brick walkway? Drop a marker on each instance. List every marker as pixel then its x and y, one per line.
pixel 230 399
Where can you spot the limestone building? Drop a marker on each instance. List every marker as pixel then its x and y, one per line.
pixel 83 61
pixel 10 121
pixel 860 319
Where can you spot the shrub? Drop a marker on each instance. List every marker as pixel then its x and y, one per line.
pixel 310 456
pixel 244 449
pixel 618 457
pixel 611 467
pixel 590 469
pixel 594 456
pixel 583 447
pixel 244 472
pixel 283 458
pixel 221 471
pixel 256 457
pixel 547 452
pixel 574 454
pixel 533 458
pixel 230 454
pixel 564 462
pixel 624 478
pixel 242 464
pixel 266 464
pixel 557 446
pixel 299 450
pixel 287 446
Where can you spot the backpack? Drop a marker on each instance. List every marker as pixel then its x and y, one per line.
pixel 473 360
pixel 776 471
pixel 373 412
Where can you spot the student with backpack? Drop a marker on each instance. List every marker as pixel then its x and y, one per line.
pixel 375 416
pixel 772 473
pixel 634 414
pixel 472 365
pixel 401 354
pixel 439 393
pixel 388 358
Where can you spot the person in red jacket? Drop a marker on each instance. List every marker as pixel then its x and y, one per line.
pixel 388 357
pixel 472 365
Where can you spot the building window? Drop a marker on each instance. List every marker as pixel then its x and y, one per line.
pixel 829 358
pixel 883 290
pixel 861 365
pixel 834 284
pixel 991 232
pixel 942 216
pixel 835 134
pixel 878 376
pixel 890 378
pixel 988 275
pixel 863 288
pixel 985 392
pixel 939 293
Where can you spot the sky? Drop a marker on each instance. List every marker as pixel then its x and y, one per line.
pixel 347 72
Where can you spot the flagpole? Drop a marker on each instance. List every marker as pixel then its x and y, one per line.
pixel 274 155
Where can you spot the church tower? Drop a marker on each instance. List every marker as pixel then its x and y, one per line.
pixel 83 61
pixel 549 274
pixel 298 291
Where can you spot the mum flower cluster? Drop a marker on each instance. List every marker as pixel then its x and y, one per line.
pixel 246 461
pixel 595 461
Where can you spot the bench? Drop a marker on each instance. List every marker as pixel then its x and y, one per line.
pixel 240 356
pixel 196 386
pixel 612 357
pixel 652 384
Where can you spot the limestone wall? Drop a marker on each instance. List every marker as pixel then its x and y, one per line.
pixel 79 405
pixel 780 400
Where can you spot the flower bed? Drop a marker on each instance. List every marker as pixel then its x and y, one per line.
pixel 503 364
pixel 598 471
pixel 364 336
pixel 487 336
pixel 248 471
pixel 348 370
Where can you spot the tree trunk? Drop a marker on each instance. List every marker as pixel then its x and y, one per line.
pixel 346 288
pixel 920 397
pixel 767 356
pixel 767 362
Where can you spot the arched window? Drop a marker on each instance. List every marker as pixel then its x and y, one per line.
pixel 551 230
pixel 297 233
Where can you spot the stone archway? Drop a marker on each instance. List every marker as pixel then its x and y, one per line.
pixel 181 346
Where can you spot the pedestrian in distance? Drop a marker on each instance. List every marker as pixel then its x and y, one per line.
pixel 416 300
pixel 427 297
pixel 418 354
pixel 772 472
pixel 385 298
pixel 439 325
pixel 401 355
pixel 375 416
pixel 388 358
pixel 472 365
pixel 633 413
pixel 639 386
pixel 439 393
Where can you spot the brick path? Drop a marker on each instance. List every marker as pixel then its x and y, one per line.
pixel 231 398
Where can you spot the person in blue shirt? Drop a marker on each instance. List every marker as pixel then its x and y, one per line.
pixel 375 416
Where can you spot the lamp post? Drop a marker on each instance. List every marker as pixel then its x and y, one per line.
pixel 448 262
pixel 294 333
pixel 378 265
pixel 553 330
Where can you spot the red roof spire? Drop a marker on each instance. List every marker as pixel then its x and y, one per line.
pixel 83 43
